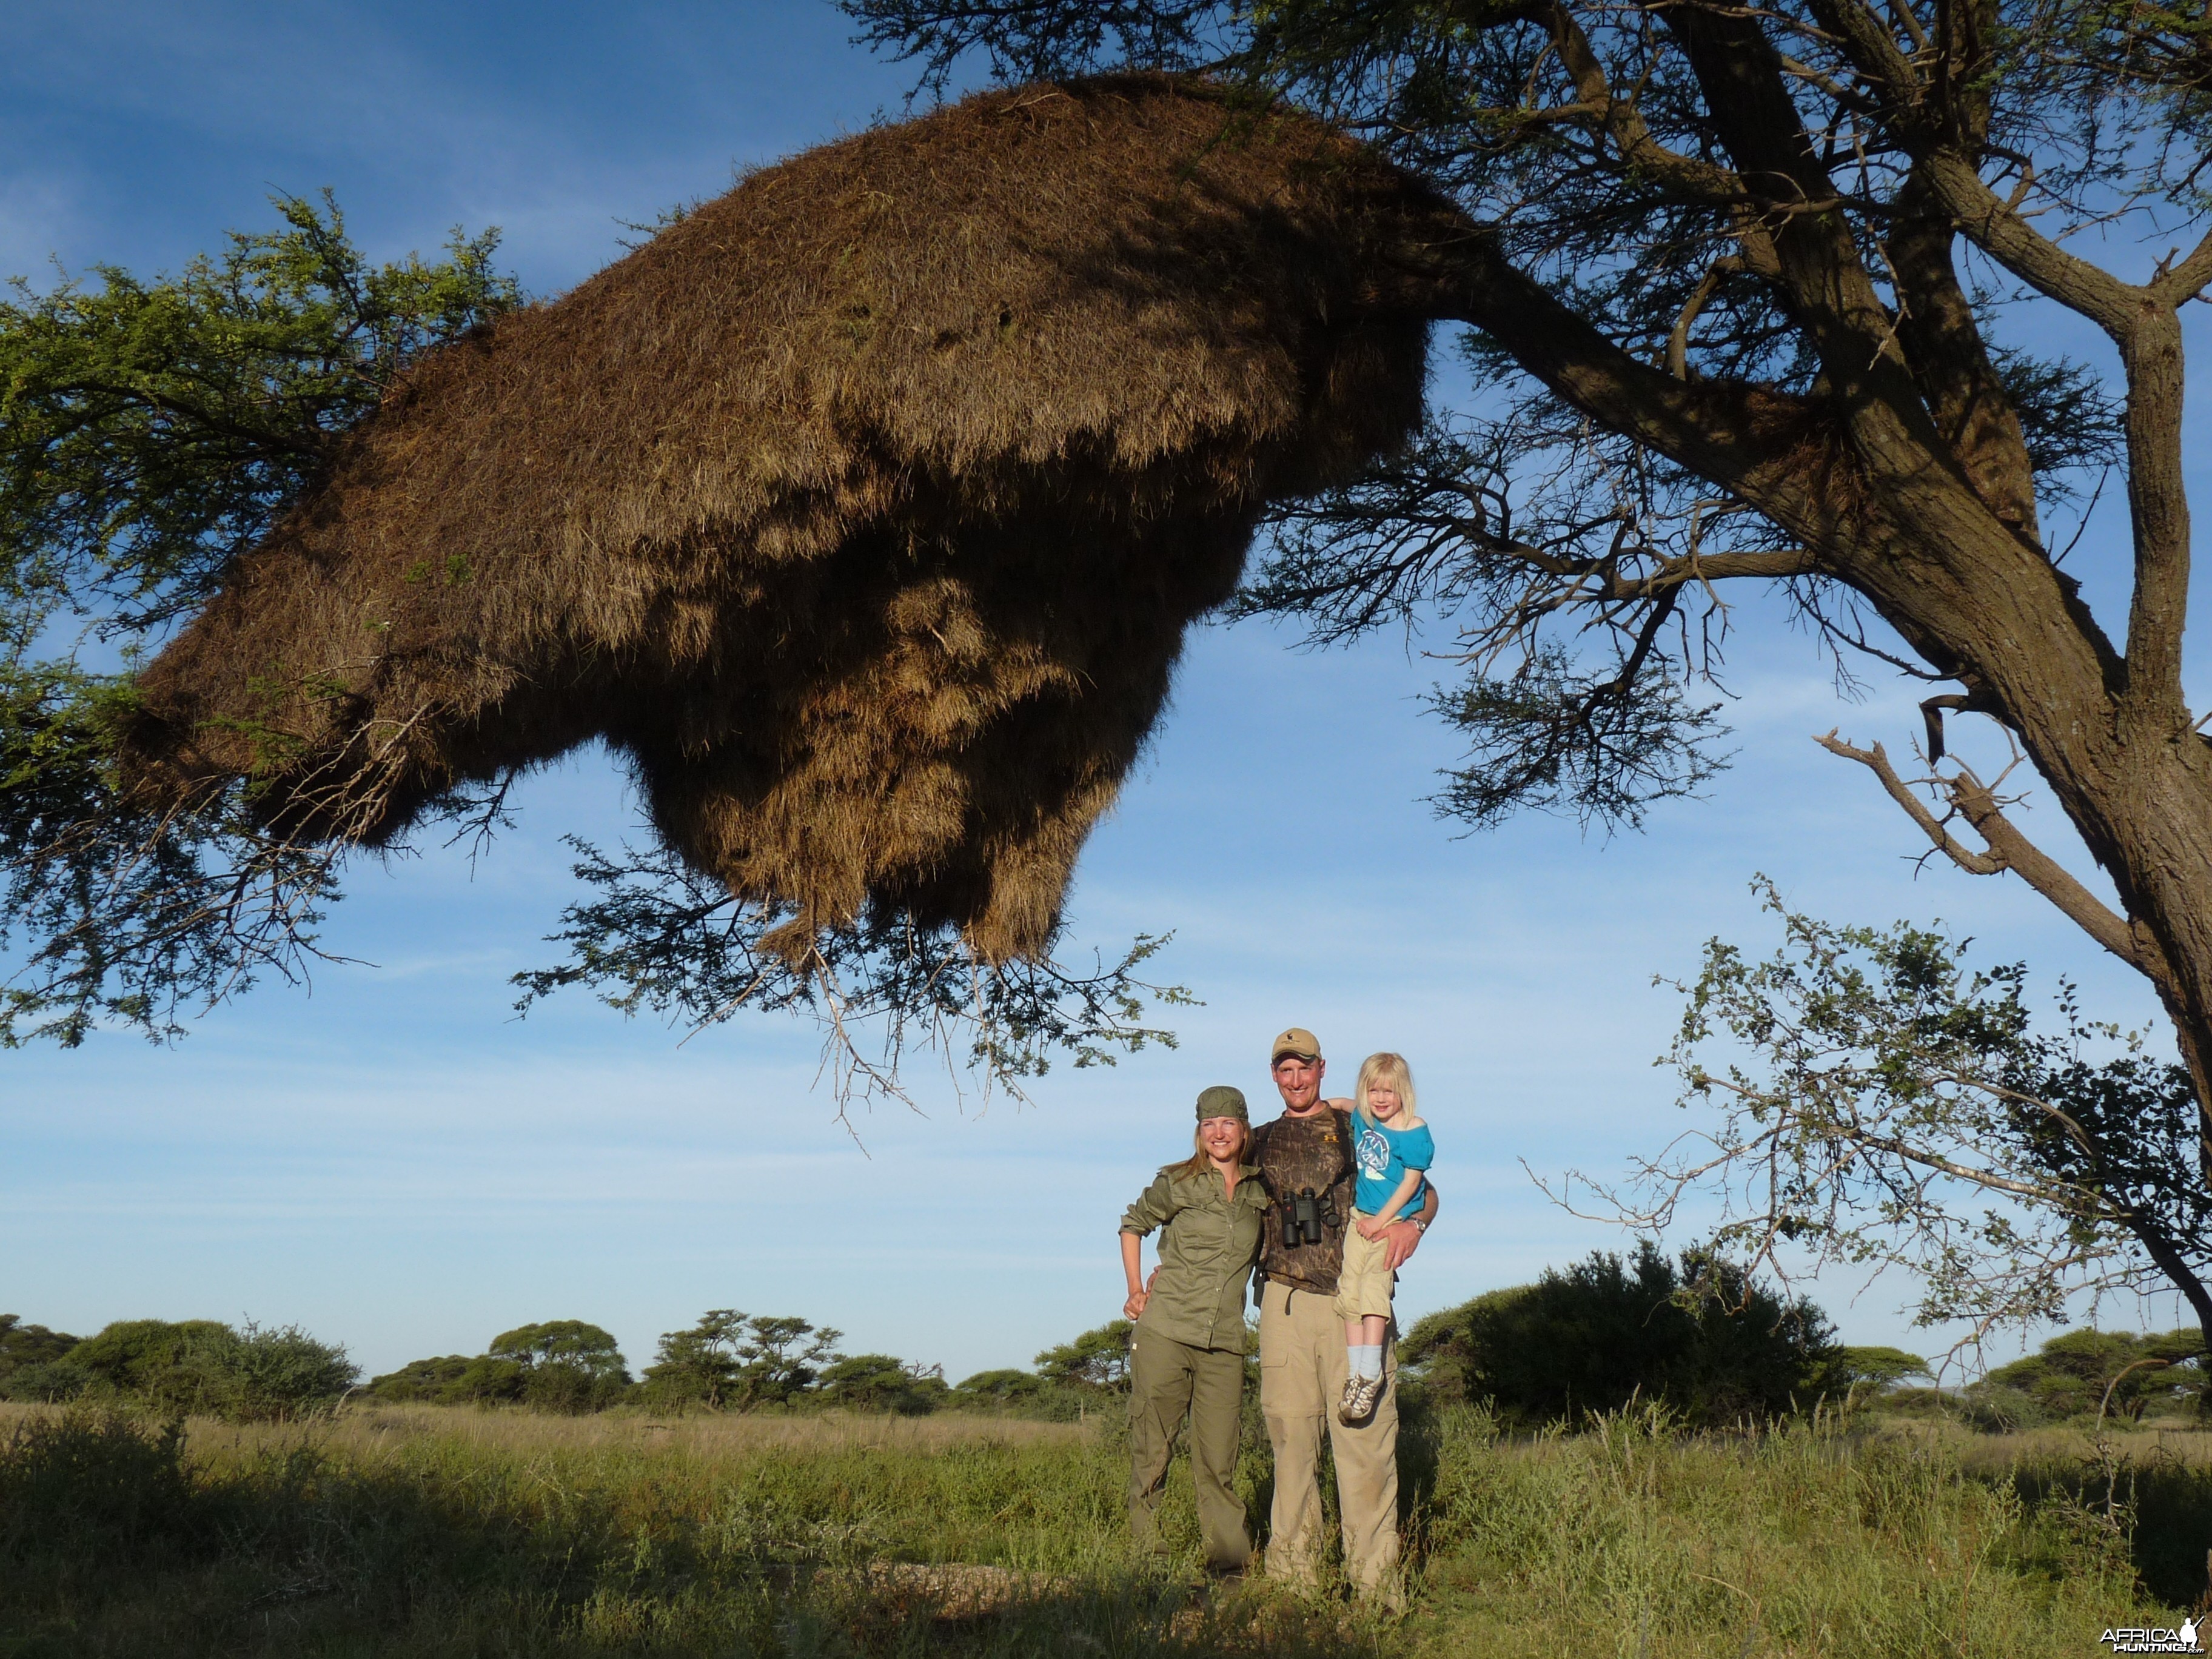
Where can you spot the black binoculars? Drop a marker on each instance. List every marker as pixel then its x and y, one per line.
pixel 1305 1218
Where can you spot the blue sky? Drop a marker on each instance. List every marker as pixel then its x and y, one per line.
pixel 393 1161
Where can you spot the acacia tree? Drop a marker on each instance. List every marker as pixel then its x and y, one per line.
pixel 1747 291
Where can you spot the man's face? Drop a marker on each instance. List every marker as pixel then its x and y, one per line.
pixel 1298 1079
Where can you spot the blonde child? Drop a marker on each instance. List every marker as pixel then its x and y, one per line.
pixel 1390 1147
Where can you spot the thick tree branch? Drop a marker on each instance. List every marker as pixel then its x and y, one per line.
pixel 2158 506
pixel 1825 281
pixel 1936 323
pixel 2179 284
pixel 1999 230
pixel 1741 438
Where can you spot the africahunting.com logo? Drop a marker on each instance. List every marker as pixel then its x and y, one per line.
pixel 2153 1638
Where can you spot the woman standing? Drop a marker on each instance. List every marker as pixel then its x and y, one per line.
pixel 1188 1354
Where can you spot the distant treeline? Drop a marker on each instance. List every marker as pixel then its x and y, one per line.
pixel 1714 1346
pixel 732 1361
pixel 728 1361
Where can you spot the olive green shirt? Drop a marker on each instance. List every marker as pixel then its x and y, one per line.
pixel 1207 1253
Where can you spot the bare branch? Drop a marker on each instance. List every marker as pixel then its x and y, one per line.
pixel 2008 849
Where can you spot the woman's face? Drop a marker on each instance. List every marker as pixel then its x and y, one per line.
pixel 1222 1137
pixel 1381 1099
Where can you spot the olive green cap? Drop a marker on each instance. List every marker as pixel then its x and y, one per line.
pixel 1221 1101
pixel 1296 1040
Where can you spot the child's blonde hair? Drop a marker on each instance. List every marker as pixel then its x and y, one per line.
pixel 1386 1068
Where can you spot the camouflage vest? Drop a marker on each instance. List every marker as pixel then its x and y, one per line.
pixel 1292 1154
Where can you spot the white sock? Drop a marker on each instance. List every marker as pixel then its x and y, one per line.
pixel 1366 1358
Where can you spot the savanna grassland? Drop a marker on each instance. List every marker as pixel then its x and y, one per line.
pixel 438 1531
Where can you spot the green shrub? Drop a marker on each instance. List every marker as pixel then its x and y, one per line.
pixel 90 1490
pixel 1713 1345
pixel 264 1374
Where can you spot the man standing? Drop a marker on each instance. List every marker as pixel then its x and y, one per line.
pixel 1302 1361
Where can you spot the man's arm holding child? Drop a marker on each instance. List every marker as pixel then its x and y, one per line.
pixel 1372 1227
pixel 1403 1235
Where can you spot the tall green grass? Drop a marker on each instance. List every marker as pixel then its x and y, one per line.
pixel 435 1531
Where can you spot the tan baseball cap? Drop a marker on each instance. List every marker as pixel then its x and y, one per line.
pixel 1296 1040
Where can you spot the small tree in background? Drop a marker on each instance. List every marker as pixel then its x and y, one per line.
pixel 780 1355
pixel 31 1363
pixel 999 1388
pixel 422 1382
pixel 883 1383
pixel 170 1366
pixel 2090 1373
pixel 1877 1368
pixel 567 1364
pixel 1705 1339
pixel 1098 1359
pixel 699 1366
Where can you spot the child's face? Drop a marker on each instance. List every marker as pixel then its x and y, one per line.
pixel 1381 1099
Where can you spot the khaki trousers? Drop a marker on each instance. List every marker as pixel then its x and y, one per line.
pixel 1168 1380
pixel 1303 1367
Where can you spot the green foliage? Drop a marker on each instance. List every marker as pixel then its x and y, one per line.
pixel 169 1366
pixel 1097 1360
pixel 562 1365
pixel 150 432
pixel 1000 1386
pixel 1877 1092
pixel 2080 1373
pixel 422 1381
pixel 883 1383
pixel 254 1374
pixel 34 1365
pixel 699 1366
pixel 781 1356
pixel 1710 1344
pixel 29 1344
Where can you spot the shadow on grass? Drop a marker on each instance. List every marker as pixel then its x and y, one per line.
pixel 113 1543
pixel 2161 1505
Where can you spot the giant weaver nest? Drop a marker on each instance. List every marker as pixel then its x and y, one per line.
pixel 863 510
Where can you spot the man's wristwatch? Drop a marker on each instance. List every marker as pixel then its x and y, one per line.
pixel 1420 1223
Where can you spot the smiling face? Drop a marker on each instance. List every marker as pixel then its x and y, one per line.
pixel 1223 1138
pixel 1298 1079
pixel 1383 1100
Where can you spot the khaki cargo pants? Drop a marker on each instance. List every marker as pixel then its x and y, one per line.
pixel 1303 1367
pixel 1169 1380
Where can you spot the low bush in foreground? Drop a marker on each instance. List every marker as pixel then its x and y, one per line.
pixel 430 1531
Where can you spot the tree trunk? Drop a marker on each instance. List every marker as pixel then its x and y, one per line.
pixel 1883 505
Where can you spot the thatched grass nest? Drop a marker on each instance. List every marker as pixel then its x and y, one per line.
pixel 863 510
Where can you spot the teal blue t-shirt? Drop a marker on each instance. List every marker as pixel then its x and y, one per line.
pixel 1384 1155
